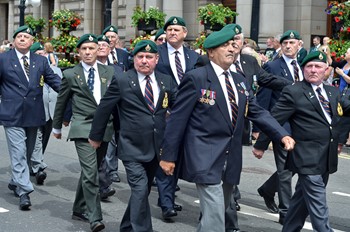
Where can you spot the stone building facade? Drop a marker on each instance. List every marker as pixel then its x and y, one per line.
pixel 275 16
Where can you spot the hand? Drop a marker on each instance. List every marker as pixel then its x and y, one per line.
pixel 95 144
pixel 339 71
pixel 65 124
pixel 258 153
pixel 255 135
pixel 168 167
pixel 340 148
pixel 288 143
pixel 57 136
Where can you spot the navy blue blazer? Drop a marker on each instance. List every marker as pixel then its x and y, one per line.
pixel 203 132
pixel 163 65
pixel 123 60
pixel 21 100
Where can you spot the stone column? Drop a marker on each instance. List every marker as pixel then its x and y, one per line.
pixel 11 20
pixel 172 8
pixel 88 16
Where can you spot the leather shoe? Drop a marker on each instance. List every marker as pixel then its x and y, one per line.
pixel 40 177
pixel 238 207
pixel 177 207
pixel 107 193
pixel 281 220
pixel 13 187
pixel 114 177
pixel 80 217
pixel 167 214
pixel 269 202
pixel 97 226
pixel 24 202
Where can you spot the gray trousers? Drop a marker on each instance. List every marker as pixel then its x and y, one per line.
pixel 309 199
pixel 20 142
pixel 111 158
pixel 37 157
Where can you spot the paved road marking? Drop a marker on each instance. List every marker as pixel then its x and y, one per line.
pixel 341 194
pixel 3 210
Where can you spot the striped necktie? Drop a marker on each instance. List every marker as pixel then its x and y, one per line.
pixel 179 69
pixel 238 68
pixel 149 94
pixel 324 102
pixel 115 61
pixel 26 65
pixel 91 81
pixel 296 70
pixel 232 99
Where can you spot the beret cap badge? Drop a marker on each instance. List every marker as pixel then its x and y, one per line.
pixel 91 38
pixel 104 37
pixel 148 48
pixel 175 21
pixel 237 30
pixel 291 35
pixel 28 30
pixel 111 29
pixel 320 56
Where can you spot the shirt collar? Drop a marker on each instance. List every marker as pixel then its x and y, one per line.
pixel 20 55
pixel 87 67
pixel 172 50
pixel 141 77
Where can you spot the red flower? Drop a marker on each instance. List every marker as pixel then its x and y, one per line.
pixel 337 59
pixel 202 22
pixel 333 54
pixel 209 12
pixel 348 29
pixel 340 13
pixel 337 19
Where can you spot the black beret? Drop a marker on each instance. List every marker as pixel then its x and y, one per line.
pixel 103 38
pixel 291 34
pixel 24 29
pixel 110 28
pixel 216 38
pixel 145 46
pixel 174 20
pixel 87 38
pixel 314 56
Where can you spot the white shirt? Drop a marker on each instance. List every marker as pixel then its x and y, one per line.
pixel 324 94
pixel 291 68
pixel 154 84
pixel 181 54
pixel 97 82
pixel 20 55
pixel 110 57
pixel 220 74
pixel 233 66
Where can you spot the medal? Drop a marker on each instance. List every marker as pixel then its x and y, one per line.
pixel 340 110
pixel 41 83
pixel 165 100
pixel 211 102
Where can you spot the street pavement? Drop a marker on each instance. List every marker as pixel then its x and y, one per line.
pixel 52 202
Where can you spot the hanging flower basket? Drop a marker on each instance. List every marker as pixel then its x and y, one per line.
pixel 215 16
pixel 148 20
pixel 147 26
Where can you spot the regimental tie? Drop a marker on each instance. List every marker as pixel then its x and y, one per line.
pixel 324 102
pixel 91 81
pixel 179 70
pixel 296 70
pixel 149 94
pixel 115 61
pixel 238 68
pixel 232 99
pixel 26 65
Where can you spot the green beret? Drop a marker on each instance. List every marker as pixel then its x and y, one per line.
pixel 145 46
pixel 36 47
pixel 24 29
pixel 110 28
pixel 235 27
pixel 159 33
pixel 217 38
pixel 174 20
pixel 87 38
pixel 103 38
pixel 291 34
pixel 314 56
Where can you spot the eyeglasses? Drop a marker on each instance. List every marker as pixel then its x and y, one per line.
pixel 161 39
pixel 103 45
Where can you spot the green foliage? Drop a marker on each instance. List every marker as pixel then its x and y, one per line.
pixel 65 20
pixel 65 43
pixel 154 13
pixel 216 14
pixel 37 25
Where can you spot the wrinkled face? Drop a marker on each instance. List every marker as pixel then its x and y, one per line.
pixel 290 48
pixel 88 52
pixel 113 39
pixel 103 49
pixel 22 42
pixel 145 62
pixel 314 72
pixel 161 39
pixel 237 45
pixel 223 55
pixel 175 35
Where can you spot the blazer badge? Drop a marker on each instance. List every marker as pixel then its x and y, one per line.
pixel 165 101
pixel 340 110
pixel 103 80
pixel 42 81
pixel 247 101
pixel 208 97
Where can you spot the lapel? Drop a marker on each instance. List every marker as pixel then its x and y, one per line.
pixel 332 98
pixel 80 79
pixel 244 64
pixel 135 86
pixel 241 90
pixel 214 84
pixel 104 80
pixel 33 69
pixel 18 68
pixel 187 58
pixel 311 96
pixel 285 70
pixel 162 88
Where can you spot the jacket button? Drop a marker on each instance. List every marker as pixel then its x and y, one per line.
pixel 226 152
pixel 331 140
